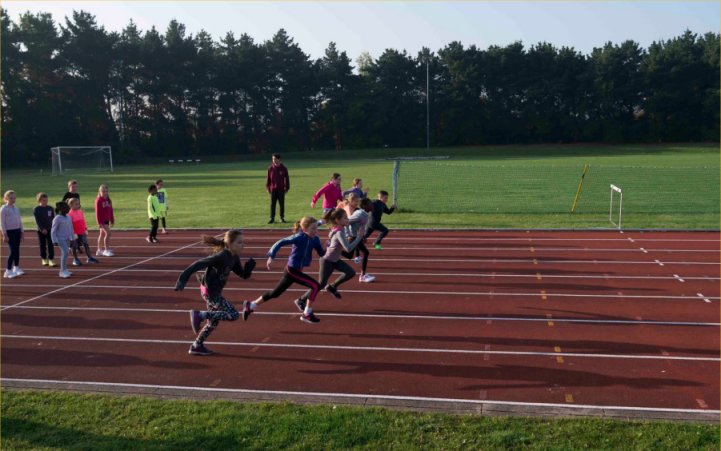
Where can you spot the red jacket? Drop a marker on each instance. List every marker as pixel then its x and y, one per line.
pixel 277 178
pixel 104 210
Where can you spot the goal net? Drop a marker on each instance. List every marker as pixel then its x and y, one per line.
pixel 80 159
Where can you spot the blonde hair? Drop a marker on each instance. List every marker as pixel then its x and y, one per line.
pixel 351 197
pixel 219 244
pixel 303 223
pixel 100 189
pixel 72 201
pixel 7 194
pixel 72 182
pixel 356 181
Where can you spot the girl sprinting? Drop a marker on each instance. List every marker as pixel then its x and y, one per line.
pixel 304 240
pixel 357 223
pixel 226 258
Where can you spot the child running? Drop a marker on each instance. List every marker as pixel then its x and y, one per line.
pixel 226 258
pixel 80 228
pixel 105 219
pixel 62 234
pixel 337 243
pixel 44 219
pixel 13 234
pixel 331 194
pixel 357 189
pixel 304 240
pixel 380 206
pixel 357 224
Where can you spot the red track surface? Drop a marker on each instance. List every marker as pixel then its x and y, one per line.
pixel 598 320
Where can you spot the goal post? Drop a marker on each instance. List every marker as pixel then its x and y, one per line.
pixel 75 159
pixel 615 190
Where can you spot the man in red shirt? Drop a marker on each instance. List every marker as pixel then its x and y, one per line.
pixel 277 184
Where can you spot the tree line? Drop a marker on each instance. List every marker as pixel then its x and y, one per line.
pixel 177 94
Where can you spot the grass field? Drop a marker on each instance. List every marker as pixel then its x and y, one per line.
pixel 669 187
pixel 40 420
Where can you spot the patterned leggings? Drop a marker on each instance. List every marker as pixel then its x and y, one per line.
pixel 219 309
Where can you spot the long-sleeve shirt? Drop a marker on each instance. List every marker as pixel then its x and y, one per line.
pixel 79 224
pixel 104 210
pixel 359 192
pixel 217 269
pixel 44 217
pixel 62 229
pixel 10 218
pixel 379 207
pixel 357 223
pixel 331 195
pixel 302 251
pixel 278 179
pixel 153 207
pixel 338 242
pixel 70 195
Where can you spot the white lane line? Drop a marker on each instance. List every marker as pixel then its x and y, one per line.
pixel 77 284
pixel 402 292
pixel 678 278
pixel 370 348
pixel 705 299
pixel 396 316
pixel 67 383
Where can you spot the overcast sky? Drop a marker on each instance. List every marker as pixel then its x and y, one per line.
pixel 373 26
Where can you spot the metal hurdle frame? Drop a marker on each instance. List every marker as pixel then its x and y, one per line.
pixel 620 206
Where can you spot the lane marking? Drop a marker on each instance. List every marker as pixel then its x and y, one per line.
pixel 659 263
pixel 705 299
pixel 370 348
pixel 363 396
pixel 678 278
pixel 644 250
pixel 631 239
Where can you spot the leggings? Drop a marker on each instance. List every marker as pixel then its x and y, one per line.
pixel 326 269
pixel 291 276
pixel 360 249
pixel 14 245
pixel 154 228
pixel 64 251
pixel 379 227
pixel 219 309
pixel 81 241
pixel 46 246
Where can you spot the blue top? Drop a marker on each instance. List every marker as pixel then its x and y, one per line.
pixel 301 253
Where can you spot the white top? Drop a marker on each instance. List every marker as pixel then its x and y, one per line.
pixel 10 217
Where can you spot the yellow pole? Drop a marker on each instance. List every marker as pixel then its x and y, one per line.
pixel 580 187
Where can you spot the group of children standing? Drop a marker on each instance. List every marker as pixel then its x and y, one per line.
pixel 65 226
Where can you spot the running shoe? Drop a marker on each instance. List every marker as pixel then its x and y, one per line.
pixel 18 271
pixel 378 247
pixel 199 350
pixel 77 262
pixel 51 262
pixel 9 274
pixel 332 290
pixel 93 260
pixel 64 274
pixel 357 260
pixel 246 310
pixel 366 278
pixel 300 303
pixel 309 318
pixel 45 262
pixel 108 253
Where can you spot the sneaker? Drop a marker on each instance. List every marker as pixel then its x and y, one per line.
pixel 51 263
pixel 199 350
pixel 9 274
pixel 195 320
pixel 332 290
pixel 108 253
pixel 271 221
pixel 64 274
pixel 282 220
pixel 77 262
pixel 366 278
pixel 357 260
pixel 246 310
pixel 45 262
pixel 309 318
pixel 148 239
pixel 18 271
pixel 378 247
pixel 300 303
pixel 163 231
pixel 99 252
pixel 93 260
pixel 155 240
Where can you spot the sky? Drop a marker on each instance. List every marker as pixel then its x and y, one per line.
pixel 373 26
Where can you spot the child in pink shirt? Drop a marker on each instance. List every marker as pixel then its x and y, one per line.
pixel 331 194
pixel 80 229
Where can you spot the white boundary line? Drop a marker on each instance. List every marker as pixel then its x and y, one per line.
pixel 373 348
pixel 401 316
pixel 367 396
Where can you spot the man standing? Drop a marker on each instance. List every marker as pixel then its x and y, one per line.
pixel 277 184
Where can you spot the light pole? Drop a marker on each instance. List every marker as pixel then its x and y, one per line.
pixel 428 109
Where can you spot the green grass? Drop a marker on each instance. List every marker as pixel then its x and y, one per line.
pixel 48 420
pixel 675 187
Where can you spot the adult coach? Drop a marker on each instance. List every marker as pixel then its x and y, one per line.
pixel 277 184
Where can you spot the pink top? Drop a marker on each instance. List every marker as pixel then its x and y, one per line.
pixel 104 210
pixel 331 195
pixel 78 218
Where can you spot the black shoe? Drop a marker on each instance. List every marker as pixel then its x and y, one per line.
pixel 271 221
pixel 155 240
pixel 300 303
pixel 282 220
pixel 195 321
pixel 199 350
pixel 246 310
pixel 332 290
pixel 309 318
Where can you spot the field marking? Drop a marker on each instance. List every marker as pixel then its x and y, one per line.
pixel 705 299
pixel 67 383
pixel 659 262
pixel 677 277
pixel 397 316
pixel 371 348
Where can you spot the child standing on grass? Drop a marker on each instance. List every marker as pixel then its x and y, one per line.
pixel 379 207
pixel 105 218
pixel 153 214
pixel 13 234
pixel 331 194
pixel 62 234
pixel 357 224
pixel 163 202
pixel 304 240
pixel 80 228
pixel 44 219
pixel 226 258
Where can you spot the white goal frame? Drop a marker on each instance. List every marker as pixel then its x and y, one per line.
pixel 616 189
pixel 56 154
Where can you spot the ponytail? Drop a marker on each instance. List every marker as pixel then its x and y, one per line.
pixel 220 244
pixel 303 223
pixel 333 216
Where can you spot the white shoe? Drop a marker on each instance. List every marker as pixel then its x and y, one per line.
pixel 9 274
pixel 357 260
pixel 18 271
pixel 65 274
pixel 366 278
pixel 99 252
pixel 108 253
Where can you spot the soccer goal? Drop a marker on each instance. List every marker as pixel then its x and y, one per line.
pixel 70 159
pixel 615 190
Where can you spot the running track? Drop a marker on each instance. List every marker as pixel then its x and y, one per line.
pixel 583 323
